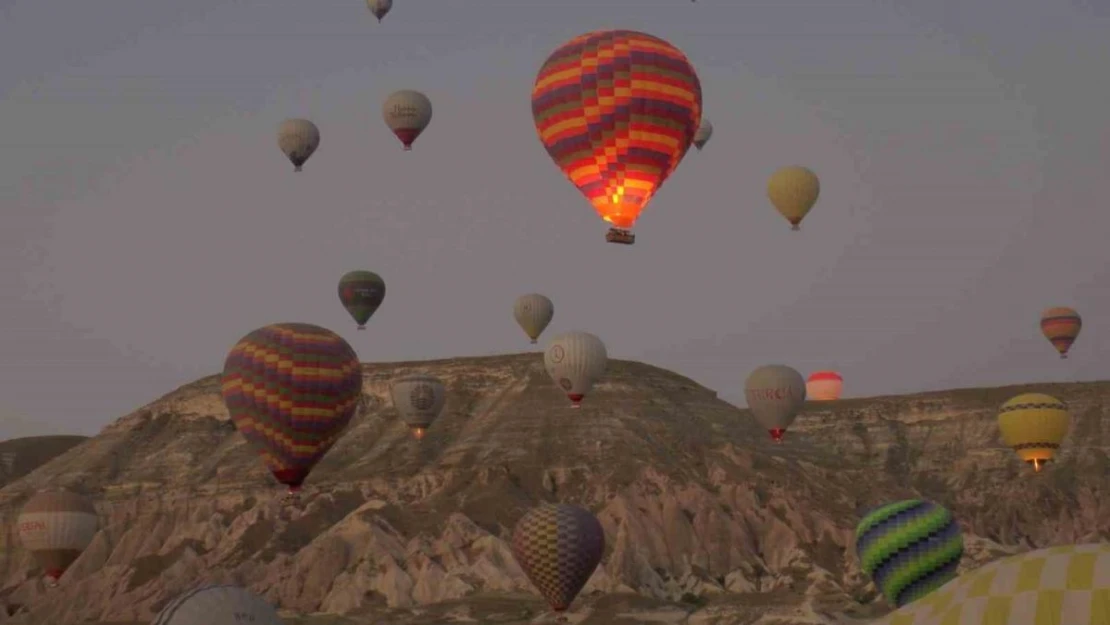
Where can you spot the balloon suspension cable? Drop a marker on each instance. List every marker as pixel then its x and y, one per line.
pixel 362 327
pixel 795 227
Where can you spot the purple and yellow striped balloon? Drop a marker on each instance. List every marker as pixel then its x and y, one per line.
pixel 1061 326
pixel 617 110
pixel 291 388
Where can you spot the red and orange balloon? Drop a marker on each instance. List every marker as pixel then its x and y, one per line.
pixel 617 110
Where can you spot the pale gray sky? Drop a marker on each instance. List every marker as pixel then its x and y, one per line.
pixel 150 220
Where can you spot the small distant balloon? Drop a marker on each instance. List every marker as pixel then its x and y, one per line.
pixel 419 400
pixel 1034 425
pixel 1061 326
pixel 407 113
pixel 56 527
pixel 379 8
pixel 575 361
pixel 533 312
pixel 703 134
pixel 361 293
pixel 793 191
pixel 824 386
pixel 298 140
pixel 775 394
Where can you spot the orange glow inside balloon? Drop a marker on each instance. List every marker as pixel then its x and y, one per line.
pixel 418 433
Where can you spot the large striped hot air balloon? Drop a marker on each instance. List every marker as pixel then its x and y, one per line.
pixel 824 386
pixel 217 605
pixel 558 546
pixel 56 527
pixel 1065 585
pixel 1034 425
pixel 617 110
pixel 909 548
pixel 291 388
pixel 1061 327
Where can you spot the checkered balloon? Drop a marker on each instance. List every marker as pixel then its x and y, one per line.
pixel 558 546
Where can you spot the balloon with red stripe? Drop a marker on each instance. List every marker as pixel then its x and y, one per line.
pixel 1061 326
pixel 824 386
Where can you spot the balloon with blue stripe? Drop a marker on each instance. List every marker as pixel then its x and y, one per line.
pixel 909 548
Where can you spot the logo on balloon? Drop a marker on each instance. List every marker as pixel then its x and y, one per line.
pixel 565 384
pixel 558 354
pixel 422 397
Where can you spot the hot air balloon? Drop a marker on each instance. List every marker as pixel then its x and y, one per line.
pixel 1064 585
pixel 575 361
pixel 617 110
pixel 298 140
pixel 824 386
pixel 532 313
pixel 419 399
pixel 558 546
pixel 1061 326
pixel 379 7
pixel 361 292
pixel 290 389
pixel 1034 425
pixel 910 548
pixel 218 605
pixel 704 132
pixel 56 526
pixel 407 113
pixel 775 395
pixel 793 191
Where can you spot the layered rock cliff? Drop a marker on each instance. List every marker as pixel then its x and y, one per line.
pixel 706 520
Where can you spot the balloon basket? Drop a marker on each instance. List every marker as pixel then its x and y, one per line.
pixel 616 235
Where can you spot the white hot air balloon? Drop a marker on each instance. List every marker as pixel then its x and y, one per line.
pixel 218 605
pixel 775 394
pixel 56 527
pixel 419 400
pixel 379 7
pixel 407 113
pixel 533 312
pixel 298 139
pixel 703 133
pixel 575 361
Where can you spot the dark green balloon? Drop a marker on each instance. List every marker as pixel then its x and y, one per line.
pixel 361 292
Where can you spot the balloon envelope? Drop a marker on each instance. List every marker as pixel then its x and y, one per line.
pixel 218 605
pixel 703 134
pixel 407 113
pixel 793 191
pixel 824 386
pixel 775 394
pixel 1065 585
pixel 575 361
pixel 290 389
pixel 533 312
pixel 419 400
pixel 379 7
pixel 1034 425
pixel 617 110
pixel 361 293
pixel 56 527
pixel 909 548
pixel 1061 326
pixel 558 546
pixel 298 139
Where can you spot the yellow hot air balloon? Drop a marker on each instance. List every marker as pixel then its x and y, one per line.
pixel 1034 425
pixel 793 191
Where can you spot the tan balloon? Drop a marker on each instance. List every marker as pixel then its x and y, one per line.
pixel 775 395
pixel 419 400
pixel 298 140
pixel 533 312
pixel 218 605
pixel 703 133
pixel 407 113
pixel 379 7
pixel 56 527
pixel 575 361
pixel 793 191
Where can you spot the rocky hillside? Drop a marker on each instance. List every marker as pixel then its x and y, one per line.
pixel 706 521
pixel 20 456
